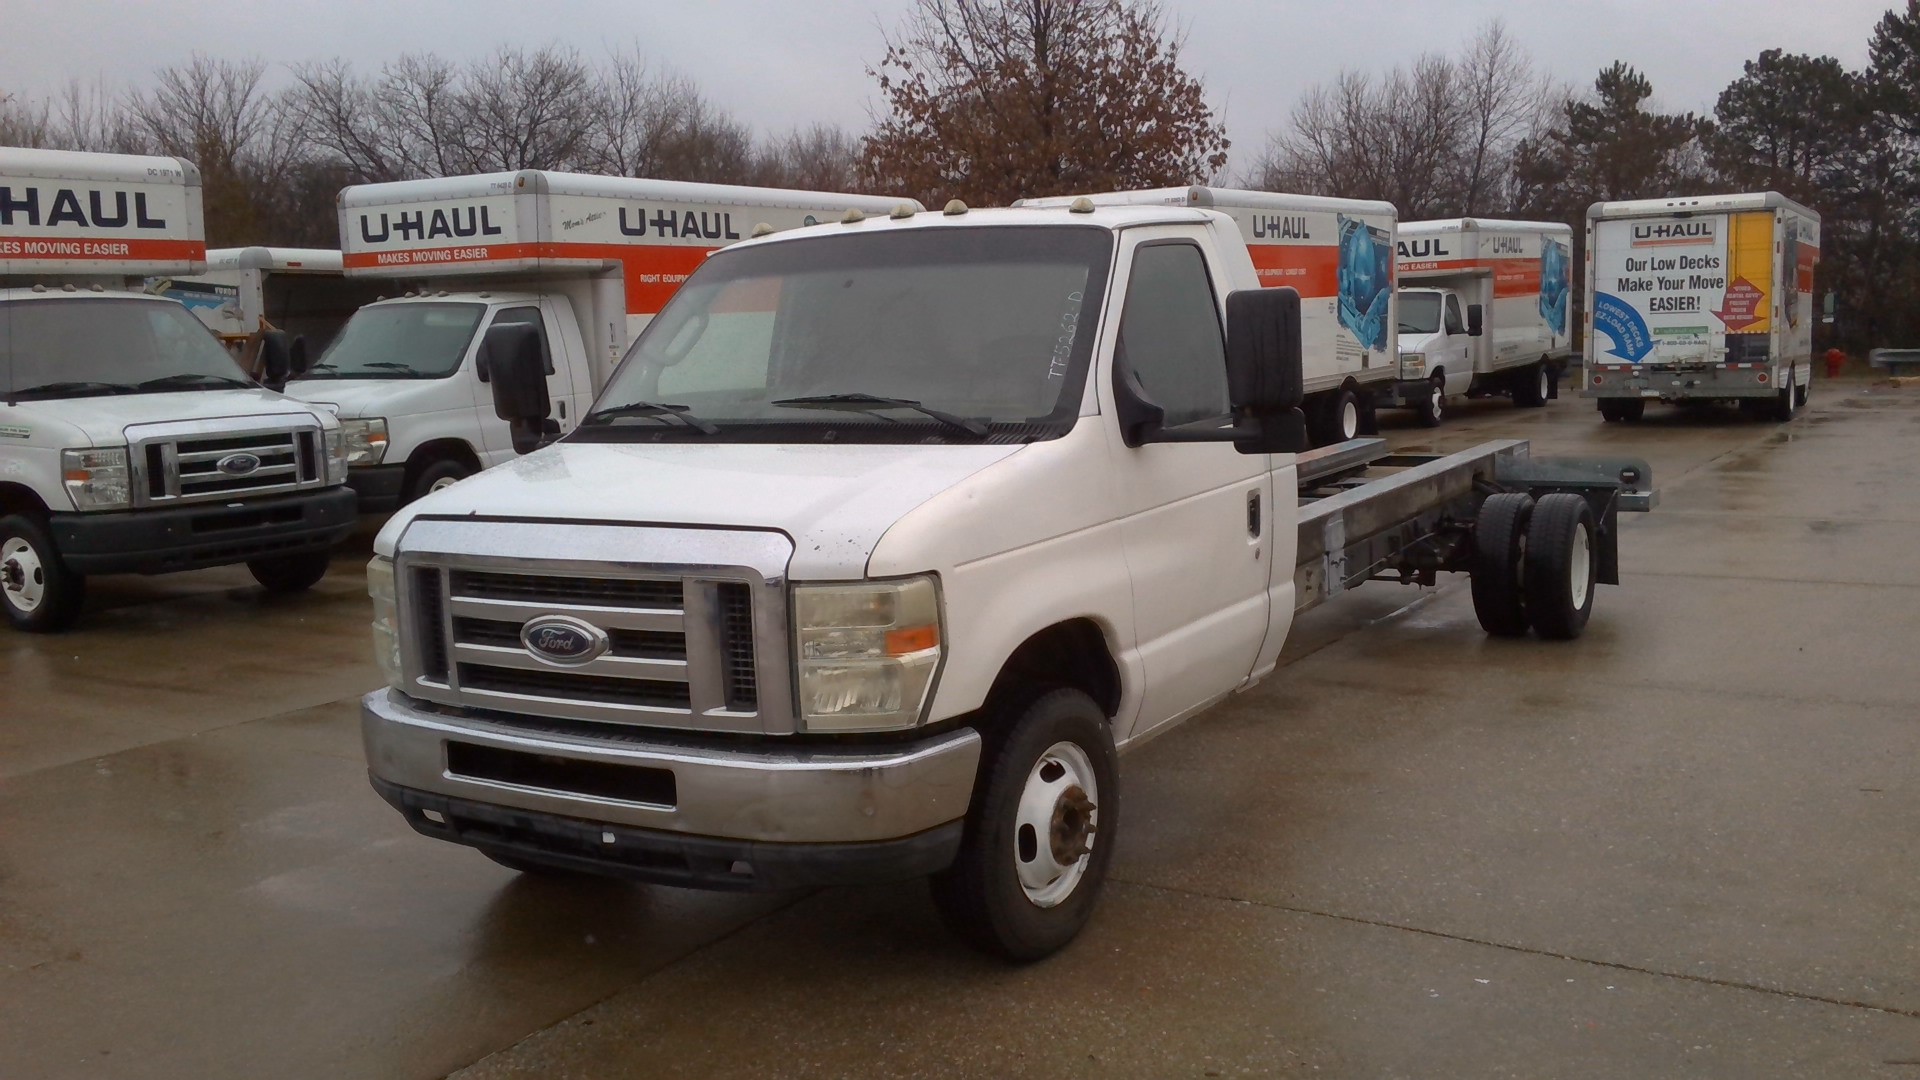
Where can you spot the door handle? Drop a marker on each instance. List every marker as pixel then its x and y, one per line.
pixel 1253 514
pixel 563 408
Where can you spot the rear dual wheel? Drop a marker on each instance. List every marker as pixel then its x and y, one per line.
pixel 1336 417
pixel 1615 410
pixel 1531 386
pixel 1534 565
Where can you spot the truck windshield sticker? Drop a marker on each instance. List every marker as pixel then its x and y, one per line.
pixel 12 432
pixel 1062 357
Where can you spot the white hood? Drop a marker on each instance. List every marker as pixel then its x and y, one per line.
pixel 1418 342
pixel 103 420
pixel 374 397
pixel 834 500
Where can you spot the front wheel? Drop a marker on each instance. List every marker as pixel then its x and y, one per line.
pixel 1429 409
pixel 290 573
pixel 1040 833
pixel 435 477
pixel 37 591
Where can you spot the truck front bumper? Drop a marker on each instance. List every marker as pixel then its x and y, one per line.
pixel 379 487
pixel 1680 383
pixel 202 535
pixel 633 803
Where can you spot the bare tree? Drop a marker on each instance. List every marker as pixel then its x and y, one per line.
pixel 1436 138
pixel 639 110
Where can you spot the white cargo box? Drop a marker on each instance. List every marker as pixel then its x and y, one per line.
pixel 655 232
pixel 1520 272
pixel 66 214
pixel 1336 253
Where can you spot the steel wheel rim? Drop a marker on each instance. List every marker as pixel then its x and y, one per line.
pixel 1543 384
pixel 1438 395
pixel 23 578
pixel 443 483
pixel 1580 566
pixel 1349 418
pixel 1055 823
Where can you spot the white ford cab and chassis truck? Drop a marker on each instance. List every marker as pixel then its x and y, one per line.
pixel 1482 311
pixel 1338 254
pixel 884 539
pixel 1700 299
pixel 585 260
pixel 130 442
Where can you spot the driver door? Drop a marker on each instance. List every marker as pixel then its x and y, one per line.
pixel 494 432
pixel 1197 514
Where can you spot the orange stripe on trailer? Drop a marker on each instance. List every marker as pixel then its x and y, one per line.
pixel 651 272
pixel 106 251
pixel 1511 277
pixel 1313 272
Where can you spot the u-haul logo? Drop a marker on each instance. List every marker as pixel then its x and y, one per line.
pixel 1431 248
pixel 1280 227
pixel 446 222
pixel 1507 245
pixel 1663 233
pixel 677 224
pixel 92 208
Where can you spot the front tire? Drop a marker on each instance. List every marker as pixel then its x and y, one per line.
pixel 39 594
pixel 1560 566
pixel 435 476
pixel 1336 418
pixel 1430 409
pixel 1040 833
pixel 290 573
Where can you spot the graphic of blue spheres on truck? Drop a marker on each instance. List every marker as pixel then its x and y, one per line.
pixel 1556 281
pixel 1366 281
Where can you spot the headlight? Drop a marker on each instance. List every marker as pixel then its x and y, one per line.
pixel 867 653
pixel 386 626
pixel 97 479
pixel 366 440
pixel 336 457
pixel 1413 365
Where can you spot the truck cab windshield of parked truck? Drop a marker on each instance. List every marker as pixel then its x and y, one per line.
pixel 1419 312
pixel 912 335
pixel 401 341
pixel 96 346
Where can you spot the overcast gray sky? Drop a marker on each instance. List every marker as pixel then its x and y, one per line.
pixel 781 63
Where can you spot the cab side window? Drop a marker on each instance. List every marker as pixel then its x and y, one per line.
pixel 1170 336
pixel 528 316
pixel 1455 325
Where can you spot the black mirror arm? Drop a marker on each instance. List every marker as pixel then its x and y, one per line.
pixel 531 435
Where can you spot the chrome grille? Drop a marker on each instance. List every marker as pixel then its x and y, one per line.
pixel 176 463
pixel 684 646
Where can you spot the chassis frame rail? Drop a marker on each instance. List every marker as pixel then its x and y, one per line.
pixel 1369 514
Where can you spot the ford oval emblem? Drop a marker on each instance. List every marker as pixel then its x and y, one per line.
pixel 563 640
pixel 242 464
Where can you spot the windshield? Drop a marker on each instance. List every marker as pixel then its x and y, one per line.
pixel 400 341
pixel 108 345
pixel 913 335
pixel 1419 312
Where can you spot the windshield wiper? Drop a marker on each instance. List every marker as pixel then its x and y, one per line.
pixel 190 379
pixel 657 409
pixel 393 365
pixel 872 402
pixel 73 388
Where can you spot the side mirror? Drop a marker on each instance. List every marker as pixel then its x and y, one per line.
pixel 276 360
pixel 297 360
pixel 1476 320
pixel 510 356
pixel 1264 367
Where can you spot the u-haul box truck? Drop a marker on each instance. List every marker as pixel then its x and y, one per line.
pixel 129 440
pixel 1700 299
pixel 588 260
pixel 1338 255
pixel 1483 311
pixel 302 291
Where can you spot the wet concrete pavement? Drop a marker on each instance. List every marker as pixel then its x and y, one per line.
pixel 1687 844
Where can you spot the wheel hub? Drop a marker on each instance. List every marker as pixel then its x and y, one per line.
pixel 21 576
pixel 1055 824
